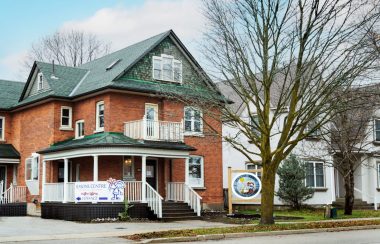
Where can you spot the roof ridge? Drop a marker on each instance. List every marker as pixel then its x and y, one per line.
pixel 60 65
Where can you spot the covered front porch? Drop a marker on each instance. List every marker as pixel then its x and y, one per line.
pixel 155 174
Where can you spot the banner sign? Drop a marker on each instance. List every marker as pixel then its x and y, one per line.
pixel 100 191
pixel 246 185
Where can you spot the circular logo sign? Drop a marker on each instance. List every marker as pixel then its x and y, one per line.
pixel 246 185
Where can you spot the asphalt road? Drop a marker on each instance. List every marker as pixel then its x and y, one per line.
pixel 343 237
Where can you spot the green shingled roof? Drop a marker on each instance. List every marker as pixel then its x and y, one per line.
pixel 112 139
pixel 10 92
pixel 8 151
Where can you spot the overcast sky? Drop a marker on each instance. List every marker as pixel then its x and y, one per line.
pixel 121 22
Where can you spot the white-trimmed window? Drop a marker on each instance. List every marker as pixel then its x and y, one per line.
pixel 100 116
pixel 252 166
pixel 2 128
pixel 66 117
pixel 40 81
pixel 31 168
pixel 166 68
pixel 79 129
pixel 255 124
pixel 315 174
pixel 193 121
pixel 377 130
pixel 312 127
pixel 196 172
pixel 128 168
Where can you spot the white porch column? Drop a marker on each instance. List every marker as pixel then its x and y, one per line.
pixel 65 179
pixel 43 180
pixel 187 171
pixel 143 178
pixel 96 173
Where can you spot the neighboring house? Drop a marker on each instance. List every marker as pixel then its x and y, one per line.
pixel 112 117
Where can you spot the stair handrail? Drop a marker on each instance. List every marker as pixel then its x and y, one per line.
pixel 154 200
pixel 193 199
pixel 1 190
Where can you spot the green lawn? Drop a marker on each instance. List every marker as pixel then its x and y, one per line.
pixel 318 214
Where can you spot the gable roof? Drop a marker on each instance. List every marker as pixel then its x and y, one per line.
pixel 10 92
pixel 71 82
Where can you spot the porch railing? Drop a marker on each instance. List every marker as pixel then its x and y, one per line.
pixel 53 192
pixel 133 191
pixel 154 130
pixel 181 192
pixel 13 194
pixel 154 200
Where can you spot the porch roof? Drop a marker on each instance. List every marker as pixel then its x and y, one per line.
pixel 113 139
pixel 8 151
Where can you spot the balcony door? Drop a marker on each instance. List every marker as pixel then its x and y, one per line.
pixel 152 124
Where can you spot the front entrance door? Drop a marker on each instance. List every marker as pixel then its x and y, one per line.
pixel 3 177
pixel 151 115
pixel 151 173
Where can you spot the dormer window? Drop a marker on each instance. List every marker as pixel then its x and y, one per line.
pixel 40 82
pixel 167 68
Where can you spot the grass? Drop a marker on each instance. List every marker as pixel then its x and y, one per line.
pixel 251 228
pixel 318 214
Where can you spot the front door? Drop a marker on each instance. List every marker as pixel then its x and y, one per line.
pixel 3 178
pixel 151 173
pixel 151 115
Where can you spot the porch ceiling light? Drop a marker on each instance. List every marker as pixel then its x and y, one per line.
pixel 128 161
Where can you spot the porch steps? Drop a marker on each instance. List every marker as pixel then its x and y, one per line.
pixel 358 204
pixel 175 211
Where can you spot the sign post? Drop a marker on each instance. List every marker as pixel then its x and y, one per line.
pixel 244 186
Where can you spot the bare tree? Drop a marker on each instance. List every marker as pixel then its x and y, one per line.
pixel 281 56
pixel 349 135
pixel 69 48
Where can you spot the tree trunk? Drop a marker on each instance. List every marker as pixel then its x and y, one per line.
pixel 267 194
pixel 349 196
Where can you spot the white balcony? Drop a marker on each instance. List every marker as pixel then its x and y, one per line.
pixel 154 130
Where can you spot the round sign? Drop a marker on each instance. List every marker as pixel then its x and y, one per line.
pixel 246 185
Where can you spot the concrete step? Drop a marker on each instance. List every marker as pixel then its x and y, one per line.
pixel 181 218
pixel 180 214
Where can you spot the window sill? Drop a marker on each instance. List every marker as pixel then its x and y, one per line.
pixel 171 81
pixel 99 131
pixel 66 128
pixel 78 138
pixel 321 189
pixel 200 188
pixel 195 134
pixel 378 189
pixel 376 143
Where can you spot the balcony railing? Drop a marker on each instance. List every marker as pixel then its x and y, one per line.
pixel 154 130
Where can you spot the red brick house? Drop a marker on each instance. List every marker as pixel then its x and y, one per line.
pixel 112 118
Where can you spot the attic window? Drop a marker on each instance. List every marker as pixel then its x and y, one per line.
pixel 113 64
pixel 167 68
pixel 40 82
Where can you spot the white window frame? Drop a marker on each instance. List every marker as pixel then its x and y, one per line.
pixel 40 81
pixel 77 136
pixel 256 167
pixel 192 132
pixel 378 173
pixel 202 179
pixel 374 130
pixel 70 125
pixel 35 165
pixel 315 175
pixel 174 61
pixel 132 177
pixel 256 129
pixel 98 128
pixel 2 122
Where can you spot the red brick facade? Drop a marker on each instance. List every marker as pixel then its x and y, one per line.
pixel 31 129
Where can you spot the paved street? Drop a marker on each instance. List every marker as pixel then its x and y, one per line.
pixel 25 229
pixel 346 237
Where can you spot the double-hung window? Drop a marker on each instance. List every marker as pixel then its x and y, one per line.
pixel 66 117
pixel 252 166
pixel 79 129
pixel 377 130
pixel 2 128
pixel 31 168
pixel 166 68
pixel 315 175
pixel 40 81
pixel 100 116
pixel 193 121
pixel 196 173
pixel 128 168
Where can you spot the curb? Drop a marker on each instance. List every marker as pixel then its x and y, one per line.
pixel 254 234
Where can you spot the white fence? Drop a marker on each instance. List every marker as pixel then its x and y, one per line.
pixel 154 130
pixel 13 194
pixel 181 192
